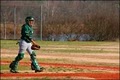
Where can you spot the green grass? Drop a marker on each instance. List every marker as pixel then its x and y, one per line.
pixel 12 43
pixel 20 67
pixel 9 44
pixel 70 47
pixel 4 67
pixel 43 60
pixel 62 61
pixel 78 51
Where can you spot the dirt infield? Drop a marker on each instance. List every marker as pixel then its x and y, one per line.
pixel 98 76
pixel 69 66
pixel 114 75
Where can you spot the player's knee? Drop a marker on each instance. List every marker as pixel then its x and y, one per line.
pixel 33 55
pixel 20 56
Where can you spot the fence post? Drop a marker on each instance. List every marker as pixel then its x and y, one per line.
pixel 4 27
pixel 41 24
pixel 14 22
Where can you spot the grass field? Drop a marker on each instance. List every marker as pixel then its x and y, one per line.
pixel 88 53
pixel 67 47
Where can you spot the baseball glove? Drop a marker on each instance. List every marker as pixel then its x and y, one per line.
pixel 35 47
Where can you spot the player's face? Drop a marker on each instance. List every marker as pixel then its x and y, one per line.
pixel 31 23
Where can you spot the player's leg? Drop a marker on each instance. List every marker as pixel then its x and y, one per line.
pixel 14 64
pixel 34 65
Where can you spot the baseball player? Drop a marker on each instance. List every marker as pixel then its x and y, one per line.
pixel 25 44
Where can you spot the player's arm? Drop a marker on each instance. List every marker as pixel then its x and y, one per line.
pixel 33 42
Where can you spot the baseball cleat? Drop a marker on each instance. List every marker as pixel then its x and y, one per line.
pixel 13 71
pixel 41 70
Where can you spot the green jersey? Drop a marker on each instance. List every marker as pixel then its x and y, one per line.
pixel 26 32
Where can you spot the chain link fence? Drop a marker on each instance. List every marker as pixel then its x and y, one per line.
pixel 61 20
pixel 13 17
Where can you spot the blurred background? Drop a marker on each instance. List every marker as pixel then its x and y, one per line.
pixel 62 20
